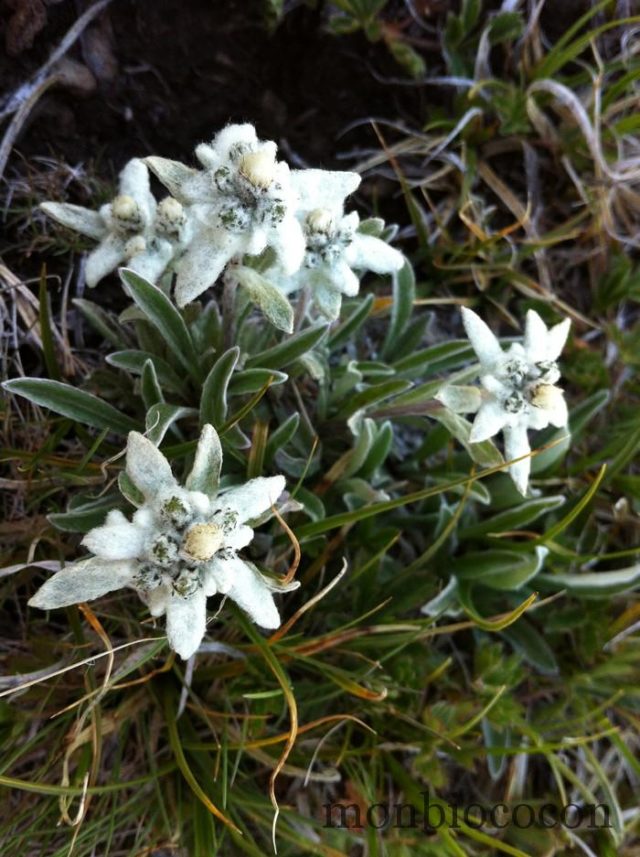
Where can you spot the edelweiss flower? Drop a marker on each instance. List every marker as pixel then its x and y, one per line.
pixel 242 202
pixel 181 546
pixel 519 387
pixel 131 228
pixel 333 248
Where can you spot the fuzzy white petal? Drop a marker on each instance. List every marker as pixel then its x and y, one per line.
pixel 134 182
pixel 147 467
pixel 372 254
pixel 253 498
pixel 490 419
pixel 323 188
pixel 83 581
pixel 516 444
pixel 82 220
pixel 117 539
pixel 157 599
pixel 152 263
pixel 204 261
pixel 239 538
pixel 537 418
pixel 556 339
pixel 105 258
pixel 186 622
pixel 558 413
pixel 251 593
pixel 288 242
pixel 484 343
pixel 535 338
pixel 205 473
pixel 233 135
pixel 460 399
pixel 342 278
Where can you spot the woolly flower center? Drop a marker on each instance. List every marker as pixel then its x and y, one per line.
pixel 547 396
pixel 259 168
pixel 252 194
pixel 203 541
pixel 529 384
pixel 126 214
pixel 170 216
pixel 182 547
pixel 326 240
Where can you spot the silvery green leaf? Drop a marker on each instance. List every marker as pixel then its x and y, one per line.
pixel 172 174
pixel 82 220
pixel 372 226
pixel 70 402
pixel 162 416
pixel 270 300
pixel 328 300
pixel 459 398
pixel 205 473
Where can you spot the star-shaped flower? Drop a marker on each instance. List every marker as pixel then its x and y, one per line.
pixel 131 229
pixel 241 203
pixel 181 546
pixel 334 250
pixel 520 391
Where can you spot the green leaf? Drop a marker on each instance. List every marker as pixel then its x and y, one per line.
pixel 161 417
pixel 346 331
pixel 593 584
pixel 150 389
pixel 164 316
pixel 69 402
pixel 101 321
pixel 528 641
pixel 290 349
pixel 133 361
pixel 85 516
pixel 371 396
pixel 252 380
pixel 505 27
pixel 281 437
pixel 514 518
pixel 213 401
pixel 404 294
pixel 273 303
pixel 500 569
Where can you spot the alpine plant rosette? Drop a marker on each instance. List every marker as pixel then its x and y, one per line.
pixel 518 390
pixel 132 229
pixel 180 547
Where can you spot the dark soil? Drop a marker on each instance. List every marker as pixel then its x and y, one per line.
pixel 180 70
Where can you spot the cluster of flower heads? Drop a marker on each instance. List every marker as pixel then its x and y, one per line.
pixel 181 546
pixel 242 203
pixel 518 389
